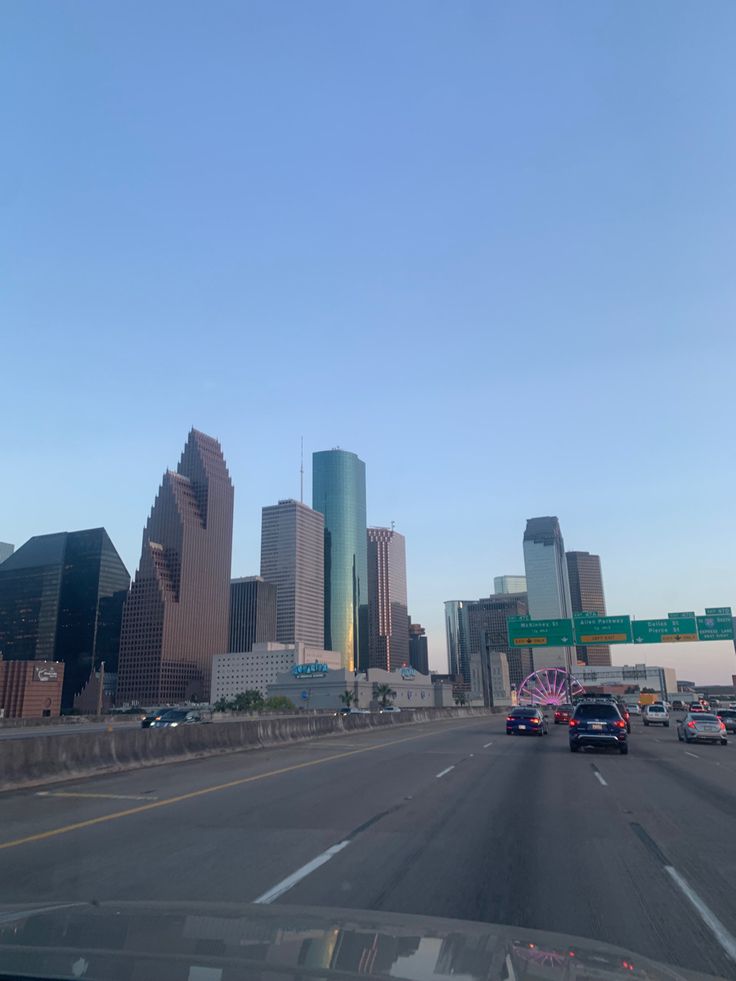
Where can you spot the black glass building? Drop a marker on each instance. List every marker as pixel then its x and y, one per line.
pixel 61 599
pixel 418 652
pixel 252 613
pixel 338 492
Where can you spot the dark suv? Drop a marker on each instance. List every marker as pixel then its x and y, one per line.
pixel 598 724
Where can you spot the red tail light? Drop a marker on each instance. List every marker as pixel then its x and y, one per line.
pixel 509 718
pixel 723 725
pixel 573 722
pixel 620 724
pixel 691 724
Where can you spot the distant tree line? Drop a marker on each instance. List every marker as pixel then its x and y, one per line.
pixel 253 701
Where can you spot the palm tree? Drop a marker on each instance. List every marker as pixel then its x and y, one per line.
pixel 383 693
pixel 347 698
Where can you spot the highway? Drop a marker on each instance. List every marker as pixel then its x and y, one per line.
pixel 451 819
pixel 63 729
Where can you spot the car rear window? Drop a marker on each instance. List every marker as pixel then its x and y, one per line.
pixel 728 713
pixel 525 713
pixel 656 708
pixel 601 711
pixel 706 717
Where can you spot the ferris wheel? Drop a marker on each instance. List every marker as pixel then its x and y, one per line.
pixel 548 687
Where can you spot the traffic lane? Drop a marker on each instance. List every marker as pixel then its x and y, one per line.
pixel 525 834
pixel 718 762
pixel 232 843
pixel 688 810
pixel 34 732
pixel 22 813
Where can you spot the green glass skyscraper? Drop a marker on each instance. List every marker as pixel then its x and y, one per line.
pixel 338 492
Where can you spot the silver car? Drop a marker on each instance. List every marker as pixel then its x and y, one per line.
pixel 701 727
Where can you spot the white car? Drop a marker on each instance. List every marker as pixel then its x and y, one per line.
pixel 656 715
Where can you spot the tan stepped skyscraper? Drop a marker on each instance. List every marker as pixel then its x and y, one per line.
pixel 176 616
pixel 587 596
pixel 388 619
pixel 293 559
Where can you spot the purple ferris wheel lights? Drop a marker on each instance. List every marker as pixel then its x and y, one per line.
pixel 548 687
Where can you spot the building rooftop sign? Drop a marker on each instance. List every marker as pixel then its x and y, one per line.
pixel 314 670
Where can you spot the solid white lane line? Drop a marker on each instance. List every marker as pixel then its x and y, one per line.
pixel 291 880
pixel 599 778
pixel 724 938
pixel 694 755
pixel 487 745
pixel 443 772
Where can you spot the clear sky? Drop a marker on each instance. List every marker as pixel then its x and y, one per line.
pixel 488 246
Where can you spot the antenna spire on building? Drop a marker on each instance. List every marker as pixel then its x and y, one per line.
pixel 301 473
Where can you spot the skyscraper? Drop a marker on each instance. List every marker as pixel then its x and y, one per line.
pixel 486 623
pixel 388 618
pixel 6 550
pixel 61 599
pixel 293 559
pixel 252 613
pixel 176 616
pixel 418 653
pixel 509 584
pixel 548 589
pixel 456 629
pixel 587 596
pixel 338 493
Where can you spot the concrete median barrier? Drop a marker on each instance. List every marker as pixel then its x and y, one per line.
pixel 52 758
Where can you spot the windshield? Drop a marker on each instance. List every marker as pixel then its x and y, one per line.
pixel 596 711
pixel 368 395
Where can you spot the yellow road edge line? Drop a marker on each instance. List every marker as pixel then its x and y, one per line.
pixel 128 812
pixel 73 793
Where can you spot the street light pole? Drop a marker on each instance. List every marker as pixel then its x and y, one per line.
pixel 101 689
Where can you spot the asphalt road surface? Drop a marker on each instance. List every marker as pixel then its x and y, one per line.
pixel 450 819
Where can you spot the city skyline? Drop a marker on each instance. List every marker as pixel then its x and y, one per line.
pixel 704 661
pixel 712 662
pixel 568 243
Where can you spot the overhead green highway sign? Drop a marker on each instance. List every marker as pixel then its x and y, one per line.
pixel 589 629
pixel 603 630
pixel 688 614
pixel 715 628
pixel 669 631
pixel 540 633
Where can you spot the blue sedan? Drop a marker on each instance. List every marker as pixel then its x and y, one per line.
pixel 526 721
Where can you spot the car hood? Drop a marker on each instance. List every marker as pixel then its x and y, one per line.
pixel 212 942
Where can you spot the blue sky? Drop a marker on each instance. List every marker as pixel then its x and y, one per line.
pixel 487 246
